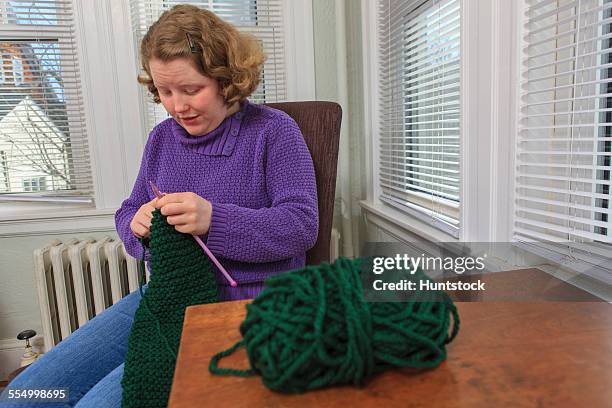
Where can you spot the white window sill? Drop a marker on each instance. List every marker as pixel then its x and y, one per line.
pixel 402 226
pixel 41 219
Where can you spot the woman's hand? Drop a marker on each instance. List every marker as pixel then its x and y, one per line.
pixel 141 222
pixel 188 212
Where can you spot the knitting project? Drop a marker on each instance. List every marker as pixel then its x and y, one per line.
pixel 181 275
pixel 312 328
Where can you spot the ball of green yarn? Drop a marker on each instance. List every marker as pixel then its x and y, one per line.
pixel 312 328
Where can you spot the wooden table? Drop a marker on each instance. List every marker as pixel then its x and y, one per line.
pixel 507 354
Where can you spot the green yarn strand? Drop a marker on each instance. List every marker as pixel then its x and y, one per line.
pixel 312 328
pixel 214 363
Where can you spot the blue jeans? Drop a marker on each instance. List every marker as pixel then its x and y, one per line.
pixel 89 362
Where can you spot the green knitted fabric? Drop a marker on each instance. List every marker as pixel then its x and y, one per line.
pixel 181 275
pixel 311 328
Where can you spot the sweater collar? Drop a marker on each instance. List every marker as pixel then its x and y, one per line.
pixel 219 141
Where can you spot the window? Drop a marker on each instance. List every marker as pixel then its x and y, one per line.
pixel 420 109
pixel 2 74
pixel 17 71
pixel 35 184
pixel 4 179
pixel 42 129
pixel 604 136
pixel 563 162
pixel 264 19
pixel 563 152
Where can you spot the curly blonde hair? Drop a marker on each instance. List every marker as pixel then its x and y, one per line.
pixel 216 48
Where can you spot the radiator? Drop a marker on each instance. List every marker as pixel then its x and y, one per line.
pixel 77 280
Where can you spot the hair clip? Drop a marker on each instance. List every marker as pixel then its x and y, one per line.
pixel 192 46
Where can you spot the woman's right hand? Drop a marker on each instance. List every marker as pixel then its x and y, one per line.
pixel 141 223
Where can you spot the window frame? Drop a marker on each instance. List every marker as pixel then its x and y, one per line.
pixel 14 32
pixel 487 126
pixel 419 203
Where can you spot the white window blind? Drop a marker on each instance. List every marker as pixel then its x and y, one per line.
pixel 564 142
pixel 419 70
pixel 43 144
pixel 262 18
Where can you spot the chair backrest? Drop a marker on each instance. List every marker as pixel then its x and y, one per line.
pixel 320 125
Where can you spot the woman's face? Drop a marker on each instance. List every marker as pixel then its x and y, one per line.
pixel 192 99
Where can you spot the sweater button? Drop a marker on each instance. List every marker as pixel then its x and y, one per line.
pixel 234 132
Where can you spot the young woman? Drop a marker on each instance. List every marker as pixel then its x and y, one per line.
pixel 237 174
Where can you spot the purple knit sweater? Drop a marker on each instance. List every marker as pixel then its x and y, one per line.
pixel 256 171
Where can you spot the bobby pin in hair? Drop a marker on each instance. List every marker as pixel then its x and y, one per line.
pixel 192 45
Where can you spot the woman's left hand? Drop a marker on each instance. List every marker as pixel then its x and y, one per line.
pixel 188 212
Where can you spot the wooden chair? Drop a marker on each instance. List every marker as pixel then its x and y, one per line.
pixel 320 125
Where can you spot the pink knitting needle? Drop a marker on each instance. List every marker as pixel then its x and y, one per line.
pixel 232 282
